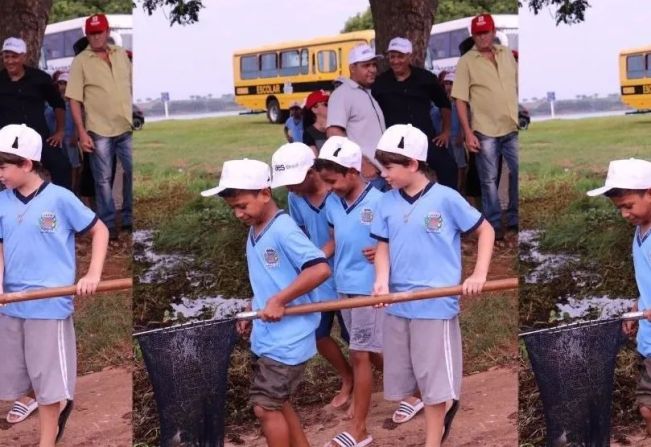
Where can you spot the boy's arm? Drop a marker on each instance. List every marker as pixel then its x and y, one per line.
pixel 381 286
pixel 2 268
pixel 88 283
pixel 475 282
pixel 309 278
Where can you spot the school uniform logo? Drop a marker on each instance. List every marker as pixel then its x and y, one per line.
pixel 271 258
pixel 48 222
pixel 366 216
pixel 433 222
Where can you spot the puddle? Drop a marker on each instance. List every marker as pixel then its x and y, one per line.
pixel 163 267
pixel 548 266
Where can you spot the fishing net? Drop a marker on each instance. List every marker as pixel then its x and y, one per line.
pixel 188 370
pixel 574 368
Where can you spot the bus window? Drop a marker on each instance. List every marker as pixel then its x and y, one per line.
pixel 69 39
pixel 456 37
pixel 53 45
pixel 268 65
pixel 305 58
pixel 249 67
pixel 327 61
pixel 648 65
pixel 635 67
pixel 289 63
pixel 127 41
pixel 513 40
pixel 440 45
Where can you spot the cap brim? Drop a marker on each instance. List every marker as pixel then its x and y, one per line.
pixel 288 179
pixel 212 191
pixel 599 191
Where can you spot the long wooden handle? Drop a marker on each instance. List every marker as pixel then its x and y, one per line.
pixel 391 298
pixel 50 292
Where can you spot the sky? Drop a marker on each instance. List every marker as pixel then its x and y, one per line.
pixel 197 59
pixel 580 59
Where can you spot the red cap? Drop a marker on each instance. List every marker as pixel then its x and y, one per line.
pixel 316 97
pixel 481 24
pixel 96 24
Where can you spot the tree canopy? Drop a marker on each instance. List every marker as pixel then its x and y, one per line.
pixel 71 9
pixel 567 11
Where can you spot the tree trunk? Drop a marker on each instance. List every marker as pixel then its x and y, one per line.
pixel 25 19
pixel 404 18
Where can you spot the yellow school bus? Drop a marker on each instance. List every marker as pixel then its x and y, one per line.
pixel 273 77
pixel 635 77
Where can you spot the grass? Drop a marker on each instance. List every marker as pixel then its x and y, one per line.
pixel 559 161
pixel 174 161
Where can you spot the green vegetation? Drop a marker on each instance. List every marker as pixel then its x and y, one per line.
pixel 559 161
pixel 71 9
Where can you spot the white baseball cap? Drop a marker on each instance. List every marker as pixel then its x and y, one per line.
pixel 401 45
pixel 290 163
pixel 626 174
pixel 404 139
pixel 342 151
pixel 362 53
pixel 15 45
pixel 18 139
pixel 63 77
pixel 449 76
pixel 242 174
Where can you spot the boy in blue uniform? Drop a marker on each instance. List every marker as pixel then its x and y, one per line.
pixel 292 166
pixel 284 267
pixel 418 226
pixel 38 223
pixel 628 186
pixel 350 212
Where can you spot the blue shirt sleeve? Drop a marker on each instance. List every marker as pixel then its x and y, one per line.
pixel 379 226
pixel 463 216
pixel 294 210
pixel 76 215
pixel 300 251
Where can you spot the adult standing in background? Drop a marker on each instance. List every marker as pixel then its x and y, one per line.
pixel 486 80
pixel 315 120
pixel 354 113
pixel 405 94
pixel 100 80
pixel 23 93
pixel 294 125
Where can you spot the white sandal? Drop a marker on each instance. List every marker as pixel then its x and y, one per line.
pixel 21 411
pixel 407 411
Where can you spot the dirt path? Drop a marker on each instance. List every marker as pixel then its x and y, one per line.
pixel 101 417
pixel 486 417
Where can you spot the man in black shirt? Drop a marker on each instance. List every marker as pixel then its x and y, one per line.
pixel 405 94
pixel 23 94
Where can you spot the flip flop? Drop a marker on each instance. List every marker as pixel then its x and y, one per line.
pixel 21 411
pixel 449 417
pixel 345 439
pixel 63 418
pixel 407 410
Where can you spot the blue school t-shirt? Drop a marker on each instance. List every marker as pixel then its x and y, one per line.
pixel 424 237
pixel 312 220
pixel 353 273
pixel 38 244
pixel 642 264
pixel 275 257
pixel 295 129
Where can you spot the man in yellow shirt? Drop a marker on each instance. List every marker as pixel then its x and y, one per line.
pixel 486 82
pixel 100 80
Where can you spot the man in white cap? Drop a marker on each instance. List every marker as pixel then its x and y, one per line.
pixel 354 113
pixel 23 93
pixel 406 94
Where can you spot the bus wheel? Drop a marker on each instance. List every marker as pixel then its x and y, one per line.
pixel 274 114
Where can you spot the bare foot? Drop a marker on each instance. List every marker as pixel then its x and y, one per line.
pixel 344 395
pixel 351 410
pixel 646 415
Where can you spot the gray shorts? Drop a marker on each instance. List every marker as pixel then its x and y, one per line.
pixel 643 389
pixel 272 382
pixel 37 355
pixel 364 326
pixel 422 355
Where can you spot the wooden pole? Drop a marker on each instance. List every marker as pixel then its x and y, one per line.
pixel 391 298
pixel 50 292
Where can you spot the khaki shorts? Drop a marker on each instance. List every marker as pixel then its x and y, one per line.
pixel 364 326
pixel 37 355
pixel 643 390
pixel 273 382
pixel 422 355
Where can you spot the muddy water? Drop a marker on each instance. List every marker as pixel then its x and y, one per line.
pixel 547 266
pixel 163 267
